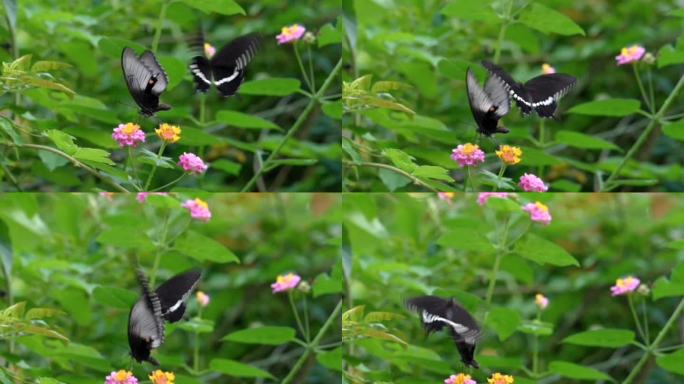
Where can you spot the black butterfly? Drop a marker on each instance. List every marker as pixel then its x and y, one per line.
pixel 540 93
pixel 436 313
pixel 488 105
pixel 146 80
pixel 167 303
pixel 226 69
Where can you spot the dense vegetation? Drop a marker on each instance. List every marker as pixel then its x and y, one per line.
pixel 68 283
pixel 62 92
pixel 619 128
pixel 494 259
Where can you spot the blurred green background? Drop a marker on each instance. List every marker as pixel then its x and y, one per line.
pixel 71 253
pixel 426 45
pixel 90 35
pixel 399 246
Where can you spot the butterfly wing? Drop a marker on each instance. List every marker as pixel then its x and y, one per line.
pixel 137 75
pixel 158 74
pixel 229 64
pixel 174 293
pixel 487 110
pixel 145 323
pixel 200 68
pixel 515 90
pixel 546 90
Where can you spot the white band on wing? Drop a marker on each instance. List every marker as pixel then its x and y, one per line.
pixel 198 73
pixel 430 318
pixel 175 306
pixel 227 79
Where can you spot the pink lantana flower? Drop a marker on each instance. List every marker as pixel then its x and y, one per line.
pixel 624 286
pixel 531 183
pixel 199 209
pixel 547 69
pixel 286 282
pixel 121 377
pixel 128 135
pixel 209 50
pixel 484 196
pixel 290 33
pixel 192 163
pixel 467 155
pixel 461 378
pixel 446 196
pixel 630 54
pixel 538 212
pixel 541 301
pixel 202 298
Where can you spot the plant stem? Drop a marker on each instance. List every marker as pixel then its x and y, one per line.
pixel 501 173
pixel 195 360
pixel 650 87
pixel 10 176
pixel 651 108
pixel 414 179
pixel 154 167
pixel 497 263
pixel 311 69
pixel 301 67
pixel 161 246
pixel 636 318
pixel 306 321
pixel 296 314
pixel 542 131
pixel 502 32
pixel 644 135
pixel 133 166
pixel 468 179
pixel 654 346
pixel 295 127
pixel 305 356
pixel 643 310
pixel 160 26
pixel 169 184
pixel 73 160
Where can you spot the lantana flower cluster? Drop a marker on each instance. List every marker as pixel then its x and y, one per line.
pixel 131 135
pixel 286 283
pixel 496 378
pixel 538 211
pixel 470 155
pixel 625 286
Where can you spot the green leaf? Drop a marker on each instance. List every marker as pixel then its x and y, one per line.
pixel 328 34
pixel 348 147
pixel 267 335
pixel 125 236
pixel 7 126
pixel 393 180
pixel 476 10
pixel 270 87
pixel 227 166
pixel 673 287
pixel 504 321
pixel 46 66
pixel 6 250
pixel 115 297
pixel 536 327
pixel 578 372
pixel 200 247
pixel 543 251
pixel 175 70
pixel 674 130
pixel 333 109
pixel 94 155
pixel 669 55
pixel 547 20
pixel 580 140
pixel 237 369
pixel 466 239
pixel 331 359
pixel 607 107
pixel 673 362
pixel 198 137
pixel 243 120
pixel 401 159
pixel 223 7
pixel 325 284
pixel 609 338
pixel 432 172
pixel 197 325
pixel 63 141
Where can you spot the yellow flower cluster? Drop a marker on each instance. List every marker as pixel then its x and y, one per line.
pixel 509 154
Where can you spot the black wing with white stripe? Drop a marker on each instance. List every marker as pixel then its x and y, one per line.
pixel 437 313
pixel 173 294
pixel 487 105
pixel 145 323
pixel 540 94
pixel 226 70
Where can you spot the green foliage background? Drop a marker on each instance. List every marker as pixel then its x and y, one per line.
pixel 71 254
pixel 422 48
pixel 86 38
pixel 398 246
